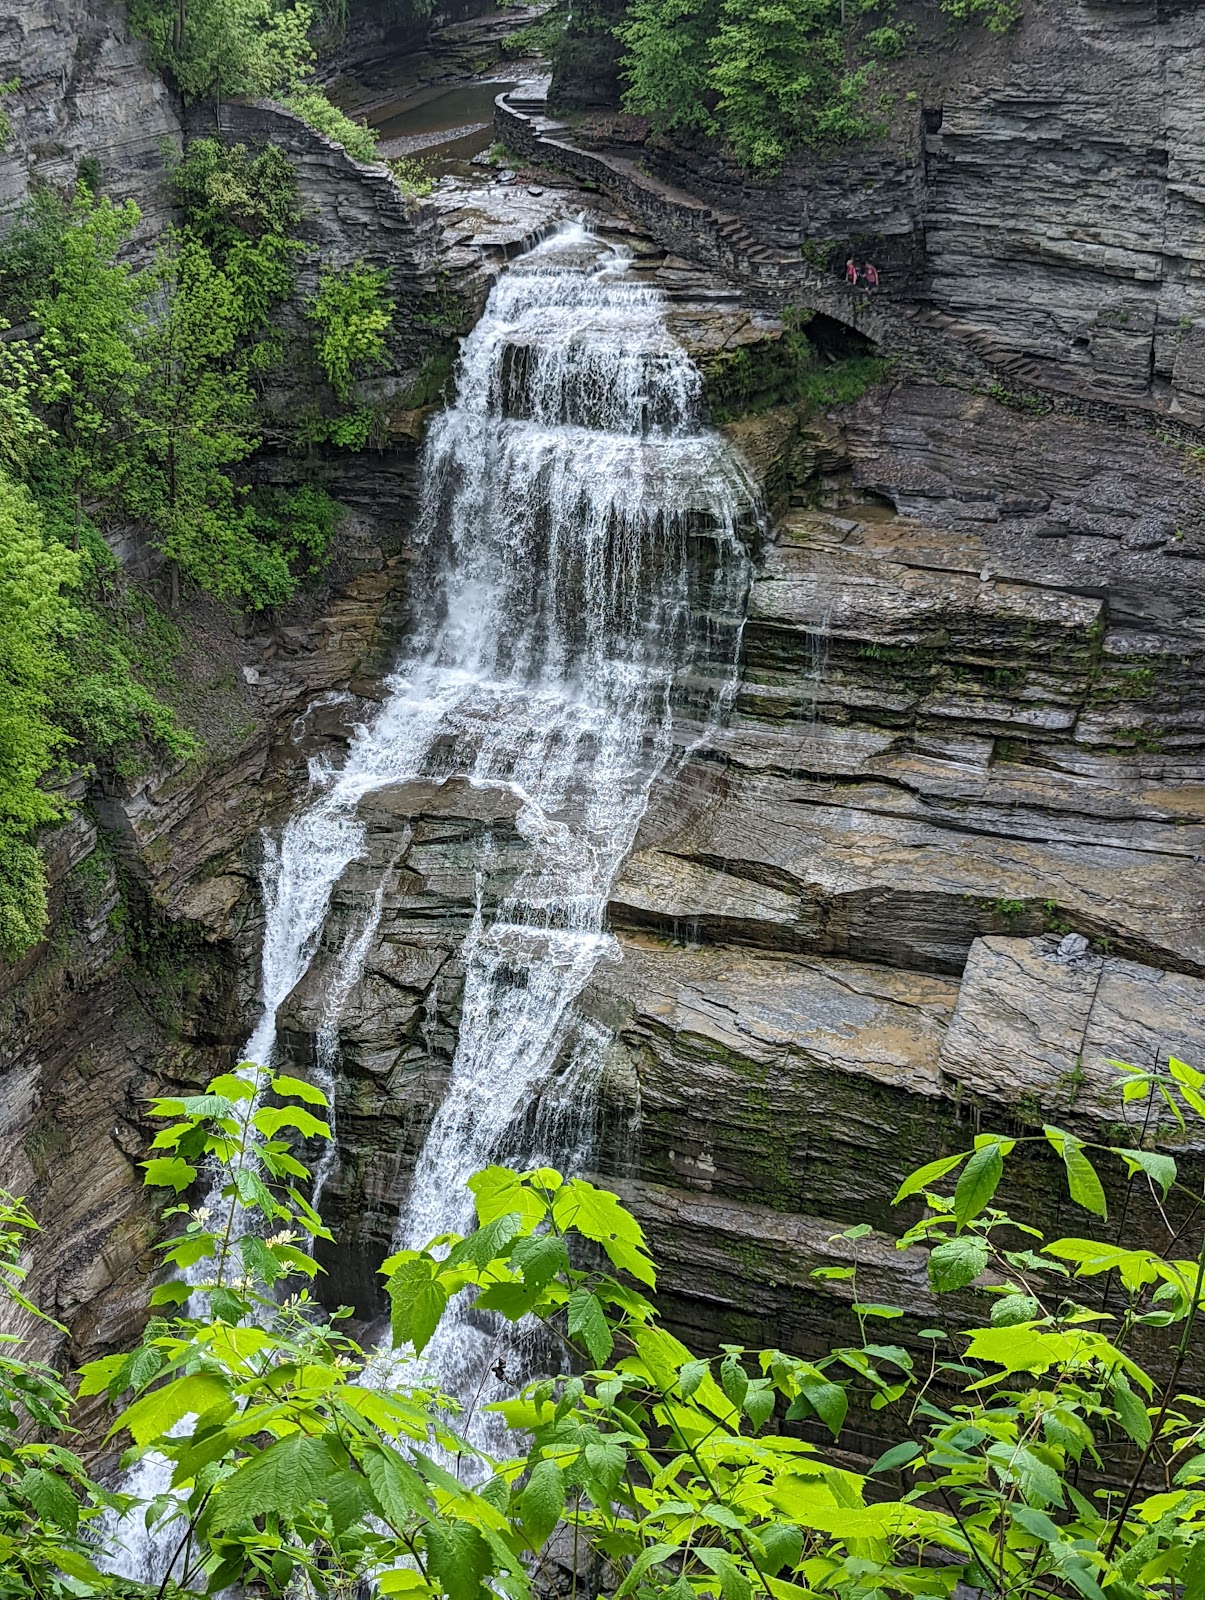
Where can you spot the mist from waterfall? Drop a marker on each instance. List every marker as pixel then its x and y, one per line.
pixel 576 613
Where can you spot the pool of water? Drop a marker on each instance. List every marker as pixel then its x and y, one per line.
pixel 439 121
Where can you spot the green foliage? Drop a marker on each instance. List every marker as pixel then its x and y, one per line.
pixel 845 380
pixel 70 670
pixel 230 195
pixel 35 614
pixel 781 78
pixel 138 397
pixel 413 178
pixel 22 431
pixel 196 422
pixel 216 49
pixel 294 1468
pixel 86 310
pixel 122 650
pixel 352 317
pixel 746 381
pixel 47 1499
pixel 998 16
pixel 132 399
pixel 312 106
pixel 668 65
pixel 7 86
pixel 219 49
pixel 30 249
pixel 545 37
pixel 772 75
pixel 88 174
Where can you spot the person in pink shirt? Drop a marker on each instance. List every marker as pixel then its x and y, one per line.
pixel 851 272
pixel 871 275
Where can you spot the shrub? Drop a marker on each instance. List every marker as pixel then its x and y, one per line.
pixel 1035 1455
pixel 413 178
pixel 230 194
pixel 312 106
pixel 998 16
pixel 352 317
pixel 122 651
pixel 845 380
pixel 8 86
pixel 70 687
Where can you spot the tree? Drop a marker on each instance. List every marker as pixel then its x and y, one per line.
pixel 195 422
pixel 667 67
pixel 780 74
pixel 217 49
pixel 36 613
pixel 90 370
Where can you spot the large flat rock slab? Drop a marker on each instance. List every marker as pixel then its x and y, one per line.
pixel 782 1080
pixel 855 872
pixel 930 744
pixel 1039 1021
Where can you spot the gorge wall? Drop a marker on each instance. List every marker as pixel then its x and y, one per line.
pixel 149 973
pixel 944 859
pixel 968 725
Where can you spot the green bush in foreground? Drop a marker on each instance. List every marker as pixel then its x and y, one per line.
pixel 1035 1454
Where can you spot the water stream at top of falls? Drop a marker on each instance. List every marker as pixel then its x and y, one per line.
pixel 577 609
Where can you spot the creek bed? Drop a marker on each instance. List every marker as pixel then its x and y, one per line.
pixel 441 126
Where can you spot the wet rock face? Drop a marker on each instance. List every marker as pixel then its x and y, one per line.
pixel 390 1041
pixel 86 95
pixel 942 867
pixel 1073 498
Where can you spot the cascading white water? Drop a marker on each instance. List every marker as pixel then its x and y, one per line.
pixel 583 579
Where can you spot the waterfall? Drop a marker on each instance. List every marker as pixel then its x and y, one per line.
pixel 575 620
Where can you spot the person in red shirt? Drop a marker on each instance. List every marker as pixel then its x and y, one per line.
pixel 851 272
pixel 872 276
